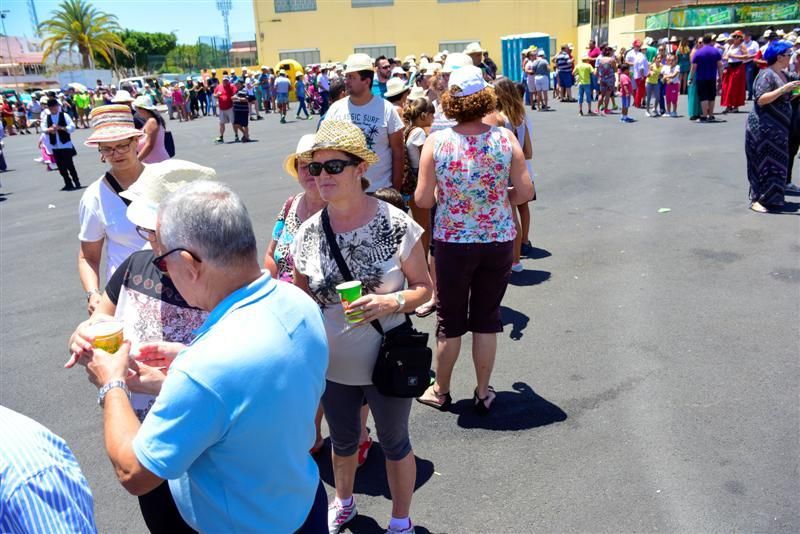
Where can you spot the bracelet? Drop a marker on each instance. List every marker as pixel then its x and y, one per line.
pixel 101 395
pixel 92 292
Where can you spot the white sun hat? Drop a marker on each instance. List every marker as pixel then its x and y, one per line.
pixel 398 70
pixel 156 182
pixel 455 61
pixel 358 62
pixel 474 48
pixel 122 97
pixel 394 87
pixel 416 92
pixel 466 81
pixel 305 144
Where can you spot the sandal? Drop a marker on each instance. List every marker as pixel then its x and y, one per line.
pixel 479 404
pixel 426 309
pixel 444 400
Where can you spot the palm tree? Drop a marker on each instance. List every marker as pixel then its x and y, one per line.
pixel 77 24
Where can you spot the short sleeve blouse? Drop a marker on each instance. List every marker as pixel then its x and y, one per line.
pixel 374 254
pixel 287 223
pixel 472 178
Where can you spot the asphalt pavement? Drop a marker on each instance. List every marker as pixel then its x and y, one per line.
pixel 647 375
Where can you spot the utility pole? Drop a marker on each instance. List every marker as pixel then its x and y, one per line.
pixel 8 44
pixel 34 18
pixel 224 7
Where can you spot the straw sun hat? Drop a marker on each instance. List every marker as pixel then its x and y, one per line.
pixel 144 102
pixel 111 123
pixel 156 182
pixel 395 86
pixel 342 136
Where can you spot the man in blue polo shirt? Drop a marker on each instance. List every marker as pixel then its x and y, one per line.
pixel 233 422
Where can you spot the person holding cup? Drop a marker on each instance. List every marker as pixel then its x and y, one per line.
pixel 768 130
pixel 144 302
pixel 382 249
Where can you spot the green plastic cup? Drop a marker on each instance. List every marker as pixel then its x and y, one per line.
pixel 796 91
pixel 350 292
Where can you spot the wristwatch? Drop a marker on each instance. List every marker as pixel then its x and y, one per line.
pixel 92 292
pixel 401 301
pixel 101 395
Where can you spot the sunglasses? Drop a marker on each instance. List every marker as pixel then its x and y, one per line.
pixel 332 166
pixel 161 261
pixel 145 233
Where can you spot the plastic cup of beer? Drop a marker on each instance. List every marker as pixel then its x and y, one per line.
pixel 350 292
pixel 107 335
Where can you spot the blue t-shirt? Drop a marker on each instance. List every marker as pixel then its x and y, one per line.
pixel 233 424
pixel 378 88
pixel 282 85
pixel 299 89
pixel 706 60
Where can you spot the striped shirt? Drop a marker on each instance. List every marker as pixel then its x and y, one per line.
pixel 564 62
pixel 42 488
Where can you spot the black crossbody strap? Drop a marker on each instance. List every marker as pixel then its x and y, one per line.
pixel 116 187
pixel 337 256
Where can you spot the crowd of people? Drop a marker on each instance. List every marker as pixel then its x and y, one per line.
pixel 650 75
pixel 417 184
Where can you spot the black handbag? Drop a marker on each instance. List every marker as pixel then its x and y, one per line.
pixel 169 143
pixel 404 360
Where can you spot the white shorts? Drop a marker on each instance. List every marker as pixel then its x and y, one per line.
pixel 541 82
pixel 226 116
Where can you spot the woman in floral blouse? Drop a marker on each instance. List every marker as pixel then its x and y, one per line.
pixel 474 173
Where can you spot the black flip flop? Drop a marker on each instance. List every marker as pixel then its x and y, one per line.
pixel 479 404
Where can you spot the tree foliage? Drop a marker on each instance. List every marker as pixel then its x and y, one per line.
pixel 76 24
pixel 142 46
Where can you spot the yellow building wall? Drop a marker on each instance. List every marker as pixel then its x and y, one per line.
pixel 584 34
pixel 618 27
pixel 412 26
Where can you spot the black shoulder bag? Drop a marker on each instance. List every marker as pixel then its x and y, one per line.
pixel 169 143
pixel 404 360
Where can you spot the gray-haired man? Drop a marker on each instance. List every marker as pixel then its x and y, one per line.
pixel 234 420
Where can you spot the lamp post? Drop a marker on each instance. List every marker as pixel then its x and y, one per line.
pixel 224 7
pixel 8 45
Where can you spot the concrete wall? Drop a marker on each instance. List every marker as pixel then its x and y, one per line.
pixel 617 27
pixel 413 26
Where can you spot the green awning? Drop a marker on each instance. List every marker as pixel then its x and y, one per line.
pixel 718 26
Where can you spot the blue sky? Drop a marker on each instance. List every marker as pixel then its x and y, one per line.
pixel 191 19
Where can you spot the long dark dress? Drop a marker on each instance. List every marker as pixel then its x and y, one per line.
pixel 767 142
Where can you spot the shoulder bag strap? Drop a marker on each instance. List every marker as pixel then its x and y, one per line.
pixel 116 187
pixel 337 256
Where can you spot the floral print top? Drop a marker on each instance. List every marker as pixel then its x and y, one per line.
pixel 472 180
pixel 286 225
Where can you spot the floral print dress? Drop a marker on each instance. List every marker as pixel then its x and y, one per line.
pixel 472 179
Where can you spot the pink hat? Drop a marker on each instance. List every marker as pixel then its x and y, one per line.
pixel 111 123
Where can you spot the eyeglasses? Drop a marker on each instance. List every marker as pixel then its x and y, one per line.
pixel 145 233
pixel 332 166
pixel 161 261
pixel 119 149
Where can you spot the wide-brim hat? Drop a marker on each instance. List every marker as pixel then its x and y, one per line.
pixel 673 39
pixel 122 97
pixel 305 144
pixel 156 182
pixel 110 123
pixel 344 137
pixel 358 62
pixel 144 102
pixel 395 86
pixel 455 61
pixel 416 92
pixel 474 48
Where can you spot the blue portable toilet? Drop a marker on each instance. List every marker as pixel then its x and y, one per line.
pixel 512 47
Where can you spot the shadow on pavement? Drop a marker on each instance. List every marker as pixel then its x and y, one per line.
pixel 538 253
pixel 788 208
pixel 371 477
pixel 529 277
pixel 521 409
pixel 517 320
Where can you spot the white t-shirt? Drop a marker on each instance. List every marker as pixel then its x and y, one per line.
pixel 103 216
pixel 414 146
pixel 640 65
pixel 752 49
pixel 373 254
pixel 378 119
pixel 666 70
pixel 282 85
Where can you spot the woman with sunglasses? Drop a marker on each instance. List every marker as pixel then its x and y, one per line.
pixel 768 130
pixel 142 296
pixel 381 247
pixel 102 210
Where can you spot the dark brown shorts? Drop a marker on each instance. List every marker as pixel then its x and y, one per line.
pixel 471 279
